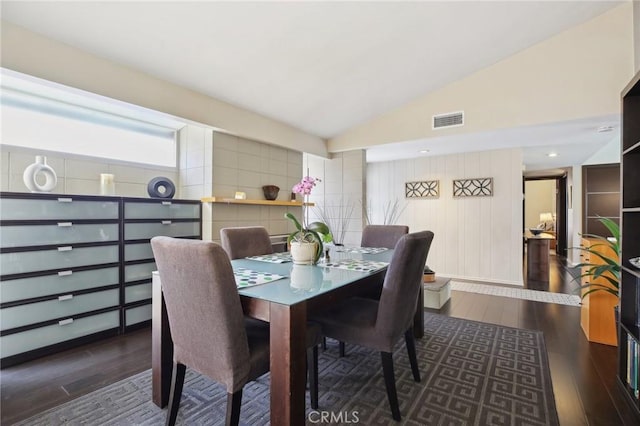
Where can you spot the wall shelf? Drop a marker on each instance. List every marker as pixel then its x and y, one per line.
pixel 223 200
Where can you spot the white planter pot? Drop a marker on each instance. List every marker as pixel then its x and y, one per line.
pixel 303 253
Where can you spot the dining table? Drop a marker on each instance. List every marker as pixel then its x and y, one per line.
pixel 291 294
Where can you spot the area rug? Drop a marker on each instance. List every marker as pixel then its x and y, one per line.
pixel 473 373
pixel 517 293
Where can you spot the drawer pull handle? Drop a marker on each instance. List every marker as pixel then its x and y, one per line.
pixel 65 248
pixel 166 222
pixel 166 203
pixel 64 200
pixel 65 297
pixel 65 224
pixel 65 321
pixel 64 273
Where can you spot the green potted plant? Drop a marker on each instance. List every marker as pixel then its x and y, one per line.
pixel 600 290
pixel 609 268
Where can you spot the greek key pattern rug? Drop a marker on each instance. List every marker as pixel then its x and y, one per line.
pixel 473 373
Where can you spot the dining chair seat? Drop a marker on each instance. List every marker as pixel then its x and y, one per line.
pixel 386 236
pixel 379 324
pixel 382 235
pixel 241 242
pixel 210 332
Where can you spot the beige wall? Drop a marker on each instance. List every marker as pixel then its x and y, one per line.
pixel 340 193
pixel 80 175
pixel 476 238
pixel 636 33
pixel 217 164
pixel 578 73
pixel 540 197
pixel 38 56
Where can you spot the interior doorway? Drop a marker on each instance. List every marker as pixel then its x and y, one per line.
pixel 545 207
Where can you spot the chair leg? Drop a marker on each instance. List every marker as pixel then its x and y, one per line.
pixel 324 343
pixel 341 345
pixel 177 381
pixel 411 349
pixel 234 400
pixel 312 369
pixel 390 383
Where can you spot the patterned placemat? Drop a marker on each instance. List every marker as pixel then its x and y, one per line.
pixel 272 258
pixel 361 250
pixel 357 265
pixel 247 277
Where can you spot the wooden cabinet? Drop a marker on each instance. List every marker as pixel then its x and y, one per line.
pixel 601 197
pixel 629 348
pixel 78 268
pixel 597 317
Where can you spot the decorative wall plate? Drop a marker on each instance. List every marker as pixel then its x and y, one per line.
pixel 422 189
pixel 477 187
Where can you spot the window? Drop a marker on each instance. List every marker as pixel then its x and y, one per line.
pixel 35 116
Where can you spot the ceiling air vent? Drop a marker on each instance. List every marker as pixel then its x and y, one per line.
pixel 451 119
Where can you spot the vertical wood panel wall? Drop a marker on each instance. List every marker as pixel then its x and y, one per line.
pixel 476 238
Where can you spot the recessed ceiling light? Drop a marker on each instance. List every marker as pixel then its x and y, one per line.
pixel 552 154
pixel 605 129
pixel 423 151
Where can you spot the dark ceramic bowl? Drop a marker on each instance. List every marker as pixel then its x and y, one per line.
pixel 270 192
pixel 536 231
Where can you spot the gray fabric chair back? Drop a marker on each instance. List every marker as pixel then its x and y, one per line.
pixel 402 285
pixel 245 241
pixel 382 235
pixel 204 310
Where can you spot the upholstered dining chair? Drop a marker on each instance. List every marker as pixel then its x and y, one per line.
pixel 210 332
pixel 240 242
pixel 382 235
pixel 377 236
pixel 245 241
pixel 380 324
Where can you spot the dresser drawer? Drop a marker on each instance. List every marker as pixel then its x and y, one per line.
pixel 167 228
pixel 134 293
pixel 137 315
pixel 54 209
pixel 64 306
pixel 44 336
pixel 62 282
pixel 42 260
pixel 140 271
pixel 63 233
pixel 138 251
pixel 161 210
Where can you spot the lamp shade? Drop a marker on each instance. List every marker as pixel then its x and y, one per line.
pixel 546 217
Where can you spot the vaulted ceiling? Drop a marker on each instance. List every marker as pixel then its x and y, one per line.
pixel 322 67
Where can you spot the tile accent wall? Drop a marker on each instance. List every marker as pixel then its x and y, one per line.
pixel 343 185
pixel 218 164
pixel 79 176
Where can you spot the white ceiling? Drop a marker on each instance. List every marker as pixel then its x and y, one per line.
pixel 322 67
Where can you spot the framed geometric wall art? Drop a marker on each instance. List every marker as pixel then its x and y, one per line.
pixel 422 189
pixel 477 187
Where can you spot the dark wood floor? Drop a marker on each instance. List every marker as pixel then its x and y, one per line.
pixel 583 373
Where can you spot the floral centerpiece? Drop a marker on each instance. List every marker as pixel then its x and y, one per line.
pixel 305 242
